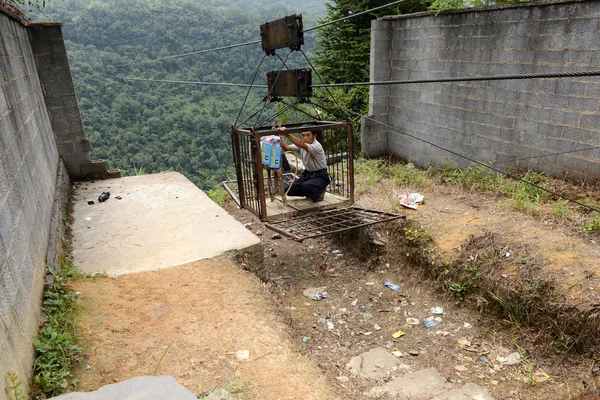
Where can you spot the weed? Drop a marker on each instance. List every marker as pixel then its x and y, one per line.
pixel 417 236
pixel 593 226
pixel 218 195
pixel 55 345
pixel 234 387
pixel 141 170
pixel 14 388
pixel 408 175
pixel 560 208
pixel 510 307
pixel 528 366
pixel 459 291
pixel 162 357
pixel 371 171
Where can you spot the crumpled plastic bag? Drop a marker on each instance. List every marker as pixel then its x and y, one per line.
pixel 411 200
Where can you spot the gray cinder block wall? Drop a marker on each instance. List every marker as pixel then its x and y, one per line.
pixel 40 132
pixel 29 171
pixel 504 122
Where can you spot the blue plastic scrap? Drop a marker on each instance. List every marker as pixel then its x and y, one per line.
pixel 391 285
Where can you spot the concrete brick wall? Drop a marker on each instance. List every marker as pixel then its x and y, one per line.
pixel 29 172
pixel 503 122
pixel 54 72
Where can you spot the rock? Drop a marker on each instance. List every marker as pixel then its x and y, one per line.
pixel 420 385
pixel 373 364
pixel 469 391
pixel 220 394
pixel 141 387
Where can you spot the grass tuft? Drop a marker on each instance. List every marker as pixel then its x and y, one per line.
pixel 55 347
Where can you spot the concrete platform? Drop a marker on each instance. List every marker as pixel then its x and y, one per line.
pixel 163 220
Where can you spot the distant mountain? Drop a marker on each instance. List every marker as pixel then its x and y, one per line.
pixel 146 127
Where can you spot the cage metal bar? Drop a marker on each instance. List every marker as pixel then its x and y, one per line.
pixel 316 225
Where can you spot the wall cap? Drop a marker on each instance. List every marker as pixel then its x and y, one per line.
pixel 480 9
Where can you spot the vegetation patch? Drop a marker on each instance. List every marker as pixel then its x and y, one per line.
pixel 508 280
pixel 55 346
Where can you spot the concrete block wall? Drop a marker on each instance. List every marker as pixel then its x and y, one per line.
pixel 30 169
pixel 54 72
pixel 504 122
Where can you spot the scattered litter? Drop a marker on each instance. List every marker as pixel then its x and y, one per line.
pixel 88 367
pixel 391 285
pixel 467 325
pixel 367 333
pixel 413 353
pixel 429 323
pixel 397 354
pixel 336 252
pixel 91 202
pixel 103 197
pixel 494 382
pixel 376 327
pixel 305 339
pixel 540 376
pixel 242 355
pixel 397 309
pixel 437 310
pixel 460 368
pixel 412 321
pixel 464 343
pixel 276 236
pixel 411 200
pixel 511 359
pixel 363 308
pixel 370 283
pixel 120 198
pixel 398 334
pixel 330 325
pixel 367 315
pixel 507 254
pixel 247 224
pixel 354 302
pixel 443 333
pixel 315 294
pixel 484 358
pixel 88 218
pixel 342 378
pixel 505 276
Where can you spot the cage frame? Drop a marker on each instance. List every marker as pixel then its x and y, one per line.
pixel 249 160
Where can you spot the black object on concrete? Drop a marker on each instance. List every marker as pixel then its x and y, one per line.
pixel 104 196
pixel 91 202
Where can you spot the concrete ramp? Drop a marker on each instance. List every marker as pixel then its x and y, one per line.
pixel 162 220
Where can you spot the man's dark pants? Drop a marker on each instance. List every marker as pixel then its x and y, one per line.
pixel 310 184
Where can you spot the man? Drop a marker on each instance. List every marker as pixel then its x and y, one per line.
pixel 314 179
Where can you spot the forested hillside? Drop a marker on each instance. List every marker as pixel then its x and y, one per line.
pixel 143 126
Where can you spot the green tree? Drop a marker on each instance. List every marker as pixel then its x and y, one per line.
pixel 343 48
pixel 441 5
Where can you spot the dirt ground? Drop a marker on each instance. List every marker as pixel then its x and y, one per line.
pixel 130 322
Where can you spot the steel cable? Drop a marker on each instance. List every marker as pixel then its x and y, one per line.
pixel 568 74
pixel 470 159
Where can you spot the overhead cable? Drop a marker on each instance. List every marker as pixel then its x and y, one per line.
pixel 567 74
pixel 355 15
pixel 189 54
pixel 471 160
pixel 548 155
pixel 192 53
pixel 126 78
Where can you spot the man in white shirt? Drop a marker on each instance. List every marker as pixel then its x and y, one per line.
pixel 314 179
